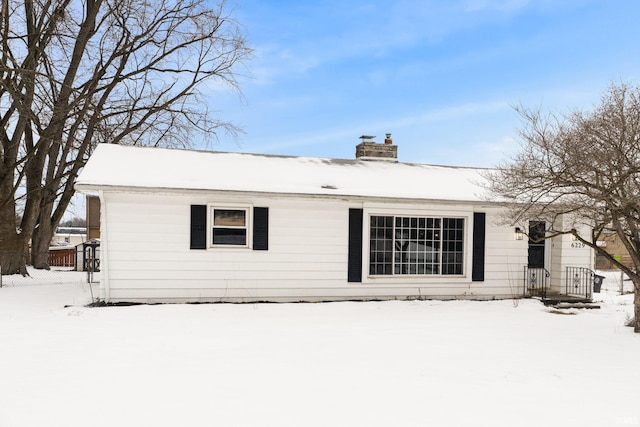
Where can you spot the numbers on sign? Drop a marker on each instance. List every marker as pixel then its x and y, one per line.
pixel 577 245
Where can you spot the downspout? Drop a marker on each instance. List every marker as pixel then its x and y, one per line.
pixel 104 250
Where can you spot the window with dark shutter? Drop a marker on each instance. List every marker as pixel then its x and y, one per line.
pixel 354 268
pixel 260 229
pixel 414 245
pixel 479 226
pixel 198 227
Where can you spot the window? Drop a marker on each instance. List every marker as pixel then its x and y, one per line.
pixel 229 227
pixel 402 245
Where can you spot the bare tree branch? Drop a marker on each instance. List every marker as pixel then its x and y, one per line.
pixel 582 167
pixel 74 73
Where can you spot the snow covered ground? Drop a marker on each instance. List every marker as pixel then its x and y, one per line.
pixel 409 363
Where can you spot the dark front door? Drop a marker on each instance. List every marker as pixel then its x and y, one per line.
pixel 536 244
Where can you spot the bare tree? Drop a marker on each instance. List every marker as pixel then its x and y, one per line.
pixel 75 73
pixel 581 169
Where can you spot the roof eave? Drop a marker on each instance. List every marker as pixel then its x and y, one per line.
pixel 86 188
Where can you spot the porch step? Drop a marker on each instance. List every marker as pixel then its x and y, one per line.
pixel 567 305
pixel 558 300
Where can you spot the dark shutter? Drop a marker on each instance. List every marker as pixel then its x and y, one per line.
pixel 354 267
pixel 260 229
pixel 198 227
pixel 479 226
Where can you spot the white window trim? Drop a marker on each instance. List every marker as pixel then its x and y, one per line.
pixel 230 206
pixel 416 278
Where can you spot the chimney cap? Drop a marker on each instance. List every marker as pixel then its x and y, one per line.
pixel 363 137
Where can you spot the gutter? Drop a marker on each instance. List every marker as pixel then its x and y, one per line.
pixel 292 195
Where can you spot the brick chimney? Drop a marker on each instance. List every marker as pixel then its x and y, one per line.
pixel 371 150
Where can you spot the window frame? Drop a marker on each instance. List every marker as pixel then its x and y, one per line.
pixel 248 226
pixel 442 218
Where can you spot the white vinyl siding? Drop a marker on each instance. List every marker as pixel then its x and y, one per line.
pixel 149 258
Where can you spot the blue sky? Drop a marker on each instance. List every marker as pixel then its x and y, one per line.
pixel 440 76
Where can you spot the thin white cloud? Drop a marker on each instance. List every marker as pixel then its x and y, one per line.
pixel 379 127
pixel 363 31
pixel 315 69
pixel 495 5
pixel 447 113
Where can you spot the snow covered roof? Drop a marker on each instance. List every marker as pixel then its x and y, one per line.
pixel 113 166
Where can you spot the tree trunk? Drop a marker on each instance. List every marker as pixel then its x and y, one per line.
pixel 12 246
pixel 636 309
pixel 13 262
pixel 44 232
pixel 13 254
pixel 40 242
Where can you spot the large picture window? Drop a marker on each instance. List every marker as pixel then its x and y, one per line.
pixel 229 227
pixel 406 245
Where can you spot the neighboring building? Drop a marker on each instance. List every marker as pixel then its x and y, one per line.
pixel 615 247
pixel 62 251
pixel 180 226
pixel 69 236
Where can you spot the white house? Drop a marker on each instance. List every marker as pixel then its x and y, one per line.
pixel 180 226
pixel 69 236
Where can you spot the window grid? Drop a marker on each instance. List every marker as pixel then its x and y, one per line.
pixel 416 245
pixel 381 245
pixel 452 245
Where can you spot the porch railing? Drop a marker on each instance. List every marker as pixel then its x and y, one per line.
pixel 579 282
pixel 536 282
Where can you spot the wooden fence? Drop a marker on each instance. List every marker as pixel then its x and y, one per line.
pixel 62 257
